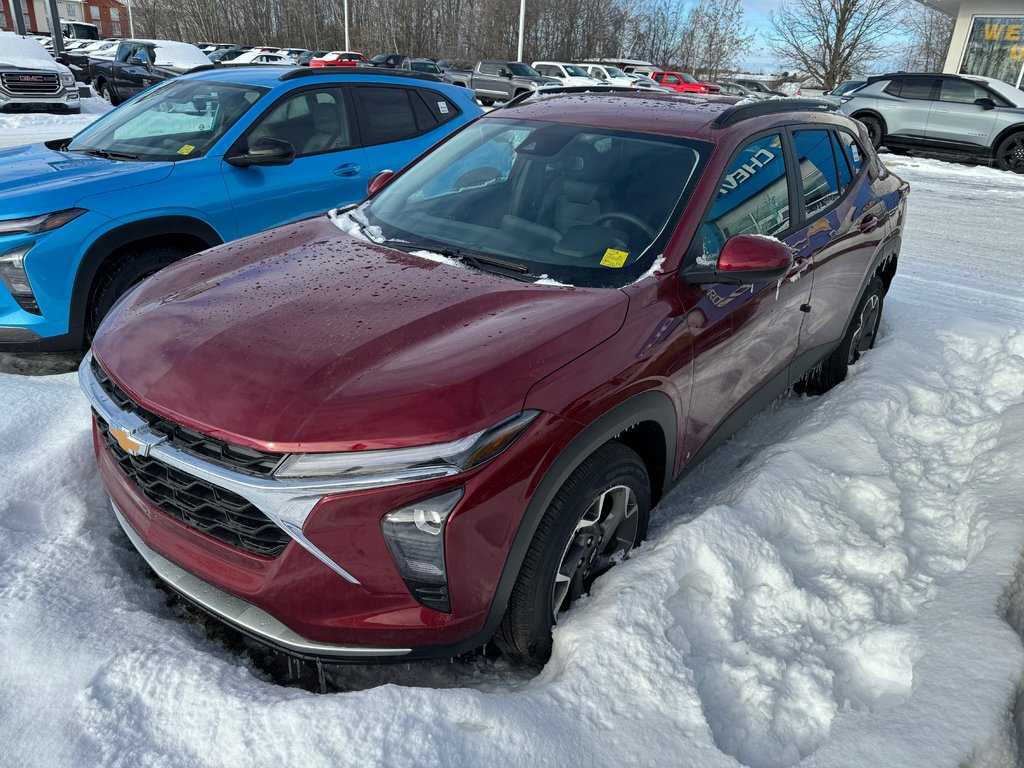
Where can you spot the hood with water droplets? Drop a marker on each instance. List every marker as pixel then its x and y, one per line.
pixel 302 338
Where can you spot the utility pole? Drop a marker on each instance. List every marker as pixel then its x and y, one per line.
pixel 131 24
pixel 56 33
pixel 522 23
pixel 19 17
pixel 347 48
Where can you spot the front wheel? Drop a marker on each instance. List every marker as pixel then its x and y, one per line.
pixel 129 270
pixel 859 338
pixel 597 517
pixel 876 132
pixel 1010 153
pixel 107 93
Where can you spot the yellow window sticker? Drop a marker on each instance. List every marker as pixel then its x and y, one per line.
pixel 186 149
pixel 613 258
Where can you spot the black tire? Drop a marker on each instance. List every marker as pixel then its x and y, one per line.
pixel 859 338
pixel 1010 153
pixel 107 93
pixel 876 130
pixel 613 474
pixel 899 150
pixel 130 269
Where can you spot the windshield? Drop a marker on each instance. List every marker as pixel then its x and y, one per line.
pixel 523 70
pixel 579 205
pixel 615 72
pixel 687 78
pixel 575 71
pixel 177 120
pixel 425 66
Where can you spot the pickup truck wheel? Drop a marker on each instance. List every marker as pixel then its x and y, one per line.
pixel 1010 154
pixel 129 270
pixel 597 517
pixel 876 131
pixel 485 102
pixel 859 338
pixel 107 93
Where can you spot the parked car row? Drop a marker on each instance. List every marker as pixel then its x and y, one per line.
pixel 30 80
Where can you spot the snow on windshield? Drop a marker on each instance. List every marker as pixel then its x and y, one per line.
pixel 179 55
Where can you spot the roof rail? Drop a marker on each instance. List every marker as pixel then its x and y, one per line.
pixel 297 72
pixel 770 107
pixel 559 90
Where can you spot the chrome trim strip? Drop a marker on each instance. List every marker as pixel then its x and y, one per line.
pixel 237 612
pixel 286 502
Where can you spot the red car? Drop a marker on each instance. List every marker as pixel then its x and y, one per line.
pixel 412 426
pixel 683 83
pixel 338 59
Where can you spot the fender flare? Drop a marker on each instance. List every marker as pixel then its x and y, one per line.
pixel 111 241
pixel 652 405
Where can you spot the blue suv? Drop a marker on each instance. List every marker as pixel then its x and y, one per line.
pixel 191 163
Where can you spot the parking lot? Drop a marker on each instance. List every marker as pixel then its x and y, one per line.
pixel 797 602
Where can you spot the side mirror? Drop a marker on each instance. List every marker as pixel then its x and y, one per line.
pixel 136 61
pixel 745 259
pixel 378 182
pixel 504 73
pixel 985 103
pixel 265 151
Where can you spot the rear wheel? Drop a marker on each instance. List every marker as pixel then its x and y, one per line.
pixel 1010 153
pixel 876 131
pixel 130 269
pixel 597 517
pixel 860 337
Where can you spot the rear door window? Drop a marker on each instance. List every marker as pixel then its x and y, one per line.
pixel 819 174
pixel 385 114
pixel 919 88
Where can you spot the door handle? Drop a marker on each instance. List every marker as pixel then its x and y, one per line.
pixel 869 223
pixel 347 169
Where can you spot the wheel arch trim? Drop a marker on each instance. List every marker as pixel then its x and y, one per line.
pixel 115 239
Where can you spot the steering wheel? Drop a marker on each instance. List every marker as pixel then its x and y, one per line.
pixel 629 218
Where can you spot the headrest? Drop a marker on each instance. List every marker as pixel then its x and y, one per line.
pixel 326 118
pixel 581 192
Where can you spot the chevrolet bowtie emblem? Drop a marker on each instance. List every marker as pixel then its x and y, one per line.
pixel 128 444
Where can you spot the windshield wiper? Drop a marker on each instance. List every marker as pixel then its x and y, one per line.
pixel 107 153
pixel 474 259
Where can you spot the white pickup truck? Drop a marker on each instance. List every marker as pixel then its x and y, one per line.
pixel 30 80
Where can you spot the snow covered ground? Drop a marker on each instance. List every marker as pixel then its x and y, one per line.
pixel 840 585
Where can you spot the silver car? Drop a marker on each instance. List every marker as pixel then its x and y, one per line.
pixel 954 113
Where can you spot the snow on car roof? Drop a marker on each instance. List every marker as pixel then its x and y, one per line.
pixel 179 55
pixel 19 51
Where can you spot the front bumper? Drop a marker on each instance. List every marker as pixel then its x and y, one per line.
pixel 334 591
pixel 61 102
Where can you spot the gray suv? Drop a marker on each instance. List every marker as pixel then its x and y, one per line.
pixel 954 113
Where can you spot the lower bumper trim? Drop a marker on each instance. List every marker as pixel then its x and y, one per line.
pixel 16 335
pixel 244 616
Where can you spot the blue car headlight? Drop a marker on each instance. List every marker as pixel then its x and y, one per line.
pixel 34 225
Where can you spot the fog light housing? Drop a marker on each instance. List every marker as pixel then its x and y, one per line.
pixel 415 537
pixel 12 275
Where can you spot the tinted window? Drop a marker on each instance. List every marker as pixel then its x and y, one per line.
pixel 672 80
pixel 911 87
pixel 819 176
pixel 752 199
pixel 842 164
pixel 386 114
pixel 311 121
pixel 854 153
pixel 488 69
pixel 440 106
pixel 961 91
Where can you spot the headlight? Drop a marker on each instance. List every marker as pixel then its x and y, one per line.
pixel 410 464
pixel 33 225
pixel 13 277
pixel 67 79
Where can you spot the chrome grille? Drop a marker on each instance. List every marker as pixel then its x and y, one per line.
pixel 31 84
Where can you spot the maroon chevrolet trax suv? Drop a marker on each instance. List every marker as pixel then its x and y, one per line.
pixel 410 427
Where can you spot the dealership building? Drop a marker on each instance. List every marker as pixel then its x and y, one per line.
pixel 988 38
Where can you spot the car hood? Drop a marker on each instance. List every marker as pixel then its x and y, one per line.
pixel 302 338
pixel 35 179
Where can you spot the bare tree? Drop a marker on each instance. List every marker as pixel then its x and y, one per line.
pixel 714 38
pixel 832 40
pixel 928 33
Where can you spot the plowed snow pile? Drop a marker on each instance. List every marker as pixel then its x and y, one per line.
pixel 834 587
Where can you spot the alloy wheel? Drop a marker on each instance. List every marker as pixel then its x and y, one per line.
pixel 602 537
pixel 1012 156
pixel 867 328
